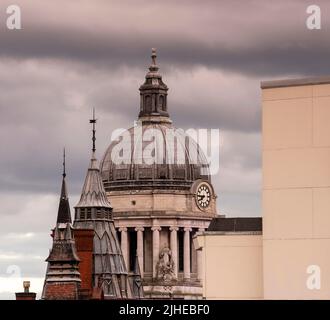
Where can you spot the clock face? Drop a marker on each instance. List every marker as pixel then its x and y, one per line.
pixel 203 196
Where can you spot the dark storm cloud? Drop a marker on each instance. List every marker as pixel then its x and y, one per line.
pixel 257 38
pixel 47 106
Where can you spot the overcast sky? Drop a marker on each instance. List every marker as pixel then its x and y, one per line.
pixel 74 55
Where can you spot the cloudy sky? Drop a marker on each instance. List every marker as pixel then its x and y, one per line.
pixel 72 55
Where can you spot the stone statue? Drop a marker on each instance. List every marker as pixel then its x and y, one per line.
pixel 165 265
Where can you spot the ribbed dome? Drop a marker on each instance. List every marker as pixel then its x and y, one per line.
pixel 176 161
pixel 153 154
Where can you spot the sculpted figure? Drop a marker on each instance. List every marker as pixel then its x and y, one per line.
pixel 165 265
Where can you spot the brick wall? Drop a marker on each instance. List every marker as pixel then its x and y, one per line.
pixel 25 296
pixel 61 291
pixel 84 244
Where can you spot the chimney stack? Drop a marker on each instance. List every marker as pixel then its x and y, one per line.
pixel 26 295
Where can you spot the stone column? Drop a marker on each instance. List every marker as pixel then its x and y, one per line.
pixel 155 249
pixel 140 249
pixel 124 245
pixel 200 261
pixel 186 252
pixel 174 248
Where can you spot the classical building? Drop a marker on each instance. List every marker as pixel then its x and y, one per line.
pixel 159 201
pixel 159 206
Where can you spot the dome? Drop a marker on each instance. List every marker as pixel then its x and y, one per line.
pixel 170 160
pixel 153 154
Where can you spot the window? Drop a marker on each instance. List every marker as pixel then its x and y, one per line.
pixel 98 213
pixel 148 104
pixel 161 103
pixel 89 213
pixel 82 214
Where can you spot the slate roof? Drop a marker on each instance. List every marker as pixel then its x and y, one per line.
pixel 240 224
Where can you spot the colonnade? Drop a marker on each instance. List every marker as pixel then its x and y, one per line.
pixel 156 249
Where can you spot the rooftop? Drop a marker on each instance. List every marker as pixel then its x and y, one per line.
pixel 295 82
pixel 236 224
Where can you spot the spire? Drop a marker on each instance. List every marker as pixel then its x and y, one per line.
pixel 153 95
pixel 64 215
pixel 62 280
pixel 94 211
pixel 93 192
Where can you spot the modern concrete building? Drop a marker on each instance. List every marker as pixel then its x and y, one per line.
pixel 290 258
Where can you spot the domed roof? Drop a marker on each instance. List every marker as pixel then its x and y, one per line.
pixel 153 154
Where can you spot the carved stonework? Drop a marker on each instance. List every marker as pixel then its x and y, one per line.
pixel 165 265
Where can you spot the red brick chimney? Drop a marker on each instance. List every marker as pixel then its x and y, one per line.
pixel 26 295
pixel 84 245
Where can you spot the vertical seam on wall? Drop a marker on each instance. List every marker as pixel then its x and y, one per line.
pixel 312 126
pixel 313 213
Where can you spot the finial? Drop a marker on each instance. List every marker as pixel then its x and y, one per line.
pixel 93 121
pixel 153 56
pixel 64 173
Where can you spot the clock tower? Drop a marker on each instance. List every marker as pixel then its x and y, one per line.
pixel 159 207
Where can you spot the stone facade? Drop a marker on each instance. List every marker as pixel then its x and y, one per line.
pixel 155 205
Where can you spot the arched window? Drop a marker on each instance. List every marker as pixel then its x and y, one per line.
pixel 148 104
pixel 162 103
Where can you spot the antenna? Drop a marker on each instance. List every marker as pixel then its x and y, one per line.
pixel 93 121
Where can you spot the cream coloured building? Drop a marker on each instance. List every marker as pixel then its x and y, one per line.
pixel 290 258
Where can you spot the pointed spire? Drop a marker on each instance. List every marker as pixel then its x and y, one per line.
pixel 94 211
pixel 93 192
pixel 64 215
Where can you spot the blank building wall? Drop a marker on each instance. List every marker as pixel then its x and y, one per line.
pixel 296 187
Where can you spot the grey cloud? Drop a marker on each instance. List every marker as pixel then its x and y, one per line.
pixel 252 38
pixel 46 105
